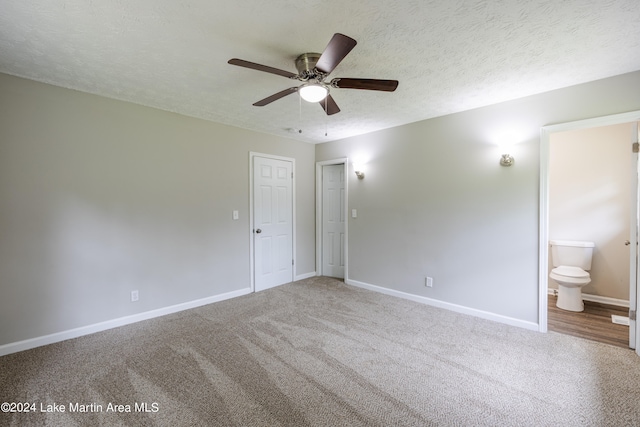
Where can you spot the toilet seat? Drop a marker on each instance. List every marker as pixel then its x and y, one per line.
pixel 570 275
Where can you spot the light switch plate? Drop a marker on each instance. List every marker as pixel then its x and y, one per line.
pixel 354 213
pixel 236 215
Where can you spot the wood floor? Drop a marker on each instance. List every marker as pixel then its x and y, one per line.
pixel 593 323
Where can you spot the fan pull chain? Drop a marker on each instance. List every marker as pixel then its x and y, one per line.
pixel 326 116
pixel 299 114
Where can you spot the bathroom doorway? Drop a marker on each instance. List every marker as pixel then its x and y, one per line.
pixel 606 219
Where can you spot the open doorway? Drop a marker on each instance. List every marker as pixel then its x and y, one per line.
pixel 547 136
pixel 589 201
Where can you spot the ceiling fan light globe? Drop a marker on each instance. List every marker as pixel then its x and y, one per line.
pixel 314 92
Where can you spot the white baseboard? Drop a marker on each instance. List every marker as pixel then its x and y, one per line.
pixel 109 324
pixel 305 276
pixel 606 300
pixel 599 299
pixel 447 306
pixel 97 327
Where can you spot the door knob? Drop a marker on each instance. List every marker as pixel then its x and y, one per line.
pixel 627 243
pixel 258 231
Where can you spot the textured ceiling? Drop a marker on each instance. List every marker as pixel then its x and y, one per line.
pixel 449 56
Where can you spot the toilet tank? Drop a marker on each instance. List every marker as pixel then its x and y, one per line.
pixel 572 253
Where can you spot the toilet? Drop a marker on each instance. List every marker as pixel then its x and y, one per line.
pixel 572 261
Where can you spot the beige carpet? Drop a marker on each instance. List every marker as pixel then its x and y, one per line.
pixel 321 353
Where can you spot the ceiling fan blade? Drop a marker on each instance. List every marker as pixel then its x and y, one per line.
pixel 260 67
pixel 367 84
pixel 339 46
pixel 329 105
pixel 276 96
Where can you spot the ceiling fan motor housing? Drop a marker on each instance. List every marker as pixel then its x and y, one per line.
pixel 306 64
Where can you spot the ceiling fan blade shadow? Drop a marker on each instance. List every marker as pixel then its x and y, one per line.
pixel 329 105
pixel 260 67
pixel 276 96
pixel 339 46
pixel 366 84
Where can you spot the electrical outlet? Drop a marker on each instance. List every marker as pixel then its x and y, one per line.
pixel 428 282
pixel 134 296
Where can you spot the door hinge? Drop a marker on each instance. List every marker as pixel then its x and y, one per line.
pixel 292 262
pixel 632 315
pixel 636 147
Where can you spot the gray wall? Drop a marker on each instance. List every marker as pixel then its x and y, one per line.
pixel 99 197
pixel 436 202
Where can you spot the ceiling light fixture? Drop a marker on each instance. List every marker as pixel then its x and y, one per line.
pixel 313 92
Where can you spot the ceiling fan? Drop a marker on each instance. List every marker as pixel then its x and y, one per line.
pixel 313 69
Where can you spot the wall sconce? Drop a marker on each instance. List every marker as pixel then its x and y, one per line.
pixel 506 160
pixel 358 170
pixel 506 137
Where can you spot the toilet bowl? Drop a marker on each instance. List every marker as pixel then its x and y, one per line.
pixel 570 281
pixel 572 260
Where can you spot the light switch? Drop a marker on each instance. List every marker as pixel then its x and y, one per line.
pixel 235 215
pixel 354 213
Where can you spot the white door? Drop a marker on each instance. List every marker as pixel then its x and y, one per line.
pixel 633 242
pixel 272 222
pixel 333 221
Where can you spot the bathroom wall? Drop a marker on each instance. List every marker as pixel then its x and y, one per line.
pixel 589 199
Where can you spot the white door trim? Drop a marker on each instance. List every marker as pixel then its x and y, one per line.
pixel 253 154
pixel 633 241
pixel 543 262
pixel 344 161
